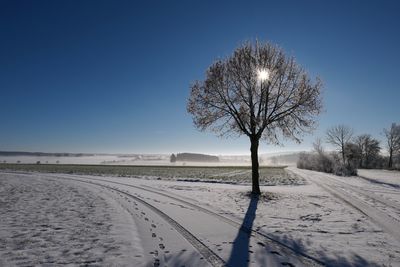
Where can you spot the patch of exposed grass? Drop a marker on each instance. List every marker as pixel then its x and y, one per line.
pixel 230 174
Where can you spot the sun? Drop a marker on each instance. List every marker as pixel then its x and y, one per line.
pixel 263 74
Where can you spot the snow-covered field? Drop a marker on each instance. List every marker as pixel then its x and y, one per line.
pixel 140 222
pixel 214 174
pixel 54 222
pixel 95 159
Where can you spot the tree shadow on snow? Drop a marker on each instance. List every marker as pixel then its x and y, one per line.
pixel 300 246
pixel 240 249
pixel 380 182
pixel 240 253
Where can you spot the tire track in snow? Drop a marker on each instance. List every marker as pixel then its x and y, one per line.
pixel 376 197
pixel 388 223
pixel 260 236
pixel 204 250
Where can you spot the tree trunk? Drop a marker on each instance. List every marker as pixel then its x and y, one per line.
pixel 390 159
pixel 254 166
pixel 343 156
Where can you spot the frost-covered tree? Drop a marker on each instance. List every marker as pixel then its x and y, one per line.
pixel 322 161
pixel 338 136
pixel 259 92
pixel 392 135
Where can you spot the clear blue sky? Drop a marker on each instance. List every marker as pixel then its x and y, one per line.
pixel 114 76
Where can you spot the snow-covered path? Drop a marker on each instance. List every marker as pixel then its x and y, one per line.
pixel 380 204
pixel 175 232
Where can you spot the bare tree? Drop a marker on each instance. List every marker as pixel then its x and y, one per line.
pixel 338 136
pixel 321 160
pixel 258 92
pixel 392 141
pixel 317 145
pixel 369 148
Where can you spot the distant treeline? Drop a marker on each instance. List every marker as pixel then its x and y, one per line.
pixel 353 152
pixel 193 157
pixel 43 154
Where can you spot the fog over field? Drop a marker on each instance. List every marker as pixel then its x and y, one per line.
pixel 271 159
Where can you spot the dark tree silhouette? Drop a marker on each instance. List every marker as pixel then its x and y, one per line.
pixel 353 154
pixel 338 136
pixel 259 92
pixel 392 141
pixel 172 158
pixel 369 148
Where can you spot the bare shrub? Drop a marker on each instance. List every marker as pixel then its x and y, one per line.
pixel 319 160
pixel 344 169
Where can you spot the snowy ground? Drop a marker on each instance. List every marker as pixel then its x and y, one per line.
pixel 335 221
pixel 308 219
pixel 384 177
pixel 52 222
pixel 375 209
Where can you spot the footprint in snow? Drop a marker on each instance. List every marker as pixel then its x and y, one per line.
pixel 276 252
pixel 311 217
pixel 287 264
pixel 261 244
